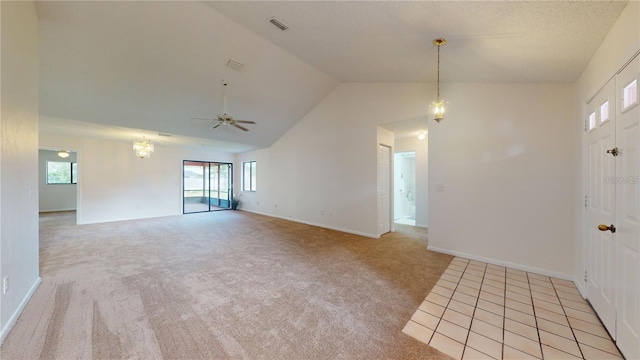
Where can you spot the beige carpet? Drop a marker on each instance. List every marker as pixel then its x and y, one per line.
pixel 224 285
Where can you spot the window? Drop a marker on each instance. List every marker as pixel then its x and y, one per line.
pixel 630 95
pixel 592 120
pixel 249 176
pixel 604 112
pixel 62 172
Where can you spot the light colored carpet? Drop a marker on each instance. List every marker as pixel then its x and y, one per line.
pixel 224 285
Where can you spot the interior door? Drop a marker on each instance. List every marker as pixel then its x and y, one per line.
pixel 384 202
pixel 600 204
pixel 628 210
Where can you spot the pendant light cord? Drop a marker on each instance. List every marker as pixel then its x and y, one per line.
pixel 438 73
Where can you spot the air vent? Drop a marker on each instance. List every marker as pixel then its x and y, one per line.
pixel 277 23
pixel 165 135
pixel 234 65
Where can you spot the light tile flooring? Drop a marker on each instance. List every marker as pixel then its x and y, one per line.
pixel 484 311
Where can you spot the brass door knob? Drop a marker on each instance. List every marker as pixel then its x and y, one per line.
pixel 603 227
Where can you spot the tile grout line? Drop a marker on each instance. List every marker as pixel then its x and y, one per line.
pixel 504 311
pixel 447 307
pixel 567 318
pixel 474 312
pixel 535 318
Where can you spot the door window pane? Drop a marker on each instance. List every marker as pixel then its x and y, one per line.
pixel 630 95
pixel 604 112
pixel 206 186
pixel 592 120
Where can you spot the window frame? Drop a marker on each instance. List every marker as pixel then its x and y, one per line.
pixel 72 179
pixel 252 176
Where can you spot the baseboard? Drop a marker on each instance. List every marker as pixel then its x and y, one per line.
pixel 16 314
pixel 56 210
pixel 504 263
pixel 315 224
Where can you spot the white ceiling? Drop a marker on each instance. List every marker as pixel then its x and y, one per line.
pixel 154 65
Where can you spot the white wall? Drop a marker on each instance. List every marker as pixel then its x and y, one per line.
pixel 622 42
pixel 54 197
pixel 323 171
pixel 114 184
pixel 19 159
pixel 421 147
pixel 505 157
pixel 504 154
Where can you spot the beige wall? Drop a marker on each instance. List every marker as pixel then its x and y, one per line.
pixel 19 159
pixel 114 184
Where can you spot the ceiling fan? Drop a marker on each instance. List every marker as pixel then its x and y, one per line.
pixel 224 119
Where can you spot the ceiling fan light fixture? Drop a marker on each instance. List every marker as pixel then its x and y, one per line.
pixel 438 105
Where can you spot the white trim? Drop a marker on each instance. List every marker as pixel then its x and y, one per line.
pixel 16 314
pixel 56 210
pixel 315 224
pixel 504 263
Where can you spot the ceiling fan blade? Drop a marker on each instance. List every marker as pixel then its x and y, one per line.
pixel 245 121
pixel 241 127
pixel 200 119
pixel 216 125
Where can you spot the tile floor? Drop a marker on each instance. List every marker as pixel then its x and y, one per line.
pixel 485 311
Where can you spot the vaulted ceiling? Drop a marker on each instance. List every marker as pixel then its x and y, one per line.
pixel 152 66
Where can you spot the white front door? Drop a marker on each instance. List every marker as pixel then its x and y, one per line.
pixel 384 203
pixel 600 203
pixel 628 210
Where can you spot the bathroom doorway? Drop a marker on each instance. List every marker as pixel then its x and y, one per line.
pixel 404 207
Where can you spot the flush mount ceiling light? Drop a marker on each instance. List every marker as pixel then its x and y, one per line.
pixel 63 154
pixel 438 105
pixel 143 148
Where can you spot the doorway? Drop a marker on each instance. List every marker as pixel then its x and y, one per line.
pixel 404 203
pixel 207 186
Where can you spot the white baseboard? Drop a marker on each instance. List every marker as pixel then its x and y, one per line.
pixel 504 263
pixel 314 224
pixel 16 314
pixel 56 210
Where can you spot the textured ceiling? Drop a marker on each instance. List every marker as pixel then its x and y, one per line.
pixel 391 41
pixel 154 65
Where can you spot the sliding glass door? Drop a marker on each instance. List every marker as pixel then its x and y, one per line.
pixel 207 186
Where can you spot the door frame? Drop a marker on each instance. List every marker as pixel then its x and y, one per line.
pixel 230 181
pixel 580 282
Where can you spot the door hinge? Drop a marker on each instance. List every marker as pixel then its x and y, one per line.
pixel 585 276
pixel 613 151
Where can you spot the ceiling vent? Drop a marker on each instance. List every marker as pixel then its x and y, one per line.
pixel 234 65
pixel 277 23
pixel 163 134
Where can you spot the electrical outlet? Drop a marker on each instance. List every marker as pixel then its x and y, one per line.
pixel 5 285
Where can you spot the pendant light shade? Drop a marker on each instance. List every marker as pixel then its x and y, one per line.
pixel 438 105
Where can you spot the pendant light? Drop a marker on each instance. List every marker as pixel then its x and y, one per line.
pixel 438 105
